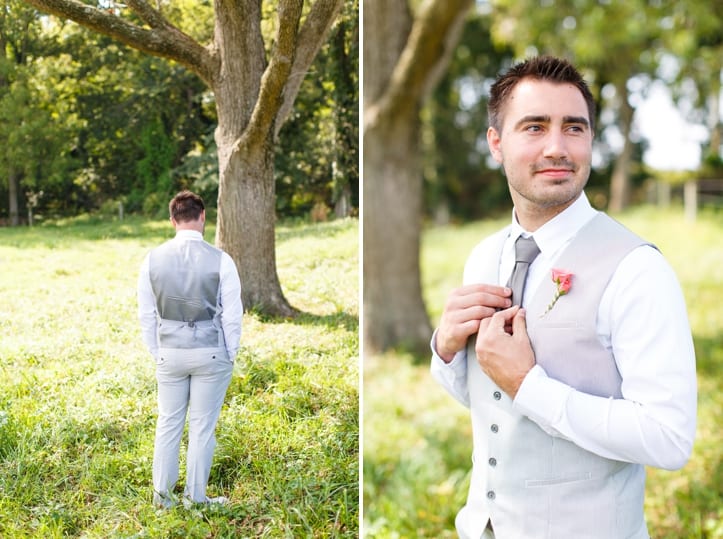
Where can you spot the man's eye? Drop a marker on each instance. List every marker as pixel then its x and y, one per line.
pixel 533 128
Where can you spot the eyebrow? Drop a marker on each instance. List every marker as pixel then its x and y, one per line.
pixel 576 120
pixel 545 119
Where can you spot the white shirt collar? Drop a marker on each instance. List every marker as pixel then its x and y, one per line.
pixel 188 235
pixel 559 230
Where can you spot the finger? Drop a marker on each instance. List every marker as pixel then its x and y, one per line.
pixel 483 287
pixel 495 290
pixel 452 338
pixel 484 324
pixel 476 299
pixel 482 334
pixel 454 318
pixel 519 323
pixel 502 318
pixel 483 300
pixel 477 312
pixel 495 301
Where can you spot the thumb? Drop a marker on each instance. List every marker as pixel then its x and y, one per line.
pixel 519 323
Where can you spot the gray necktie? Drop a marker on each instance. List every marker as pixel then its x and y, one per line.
pixel 526 250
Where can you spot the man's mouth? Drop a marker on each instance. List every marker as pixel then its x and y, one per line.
pixel 555 172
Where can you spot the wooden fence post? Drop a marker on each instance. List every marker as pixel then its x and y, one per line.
pixel 690 200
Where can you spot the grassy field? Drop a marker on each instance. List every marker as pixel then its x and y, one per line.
pixel 77 392
pixel 417 439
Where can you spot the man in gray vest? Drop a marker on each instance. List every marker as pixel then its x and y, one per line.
pixel 568 340
pixel 189 305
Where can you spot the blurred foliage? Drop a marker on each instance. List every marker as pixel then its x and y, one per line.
pixel 622 48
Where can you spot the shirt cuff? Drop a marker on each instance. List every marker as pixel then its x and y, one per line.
pixel 451 376
pixel 451 371
pixel 541 398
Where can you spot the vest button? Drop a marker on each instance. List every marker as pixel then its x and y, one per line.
pixel 492 461
pixel 491 494
pixel 497 395
pixel 494 427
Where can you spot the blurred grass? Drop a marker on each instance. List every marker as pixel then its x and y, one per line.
pixel 77 391
pixel 417 439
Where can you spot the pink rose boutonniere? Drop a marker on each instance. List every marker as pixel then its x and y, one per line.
pixel 563 280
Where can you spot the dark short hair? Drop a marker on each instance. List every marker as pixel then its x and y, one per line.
pixel 186 206
pixel 544 68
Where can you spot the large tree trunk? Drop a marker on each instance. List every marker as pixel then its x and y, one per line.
pixel 404 58
pixel 246 194
pixel 394 311
pixel 253 97
pixel 245 225
pixel 620 180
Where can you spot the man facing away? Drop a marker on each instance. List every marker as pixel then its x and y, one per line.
pixel 189 305
pixel 575 385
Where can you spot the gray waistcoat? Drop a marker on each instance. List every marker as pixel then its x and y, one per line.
pixel 185 278
pixel 529 483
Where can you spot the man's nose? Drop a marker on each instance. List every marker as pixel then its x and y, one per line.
pixel 555 145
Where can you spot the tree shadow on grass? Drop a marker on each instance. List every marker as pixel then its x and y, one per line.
pixel 296 229
pixel 349 322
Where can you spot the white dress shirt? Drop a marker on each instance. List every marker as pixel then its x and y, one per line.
pixel 642 318
pixel 230 293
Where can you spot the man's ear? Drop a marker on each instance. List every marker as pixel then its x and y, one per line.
pixel 494 141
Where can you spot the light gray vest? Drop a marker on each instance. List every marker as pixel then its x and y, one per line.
pixel 185 277
pixel 529 483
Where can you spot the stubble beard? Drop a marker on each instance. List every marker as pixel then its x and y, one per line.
pixel 556 198
pixel 546 198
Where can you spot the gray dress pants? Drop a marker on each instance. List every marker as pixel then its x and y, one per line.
pixel 193 382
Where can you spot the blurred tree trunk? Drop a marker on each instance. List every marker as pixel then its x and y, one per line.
pixel 404 57
pixel 620 180
pixel 254 93
pixel 714 123
pixel 13 182
pixel 345 168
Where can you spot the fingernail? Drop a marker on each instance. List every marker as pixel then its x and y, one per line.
pixel 508 291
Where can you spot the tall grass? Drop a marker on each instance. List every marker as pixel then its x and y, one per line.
pixel 417 440
pixel 77 392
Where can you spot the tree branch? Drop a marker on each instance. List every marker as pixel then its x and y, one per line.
pixel 276 74
pixel 311 37
pixel 431 41
pixel 163 39
pixel 150 16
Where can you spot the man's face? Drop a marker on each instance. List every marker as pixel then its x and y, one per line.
pixel 545 146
